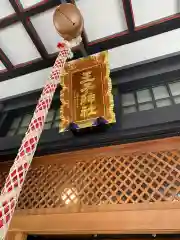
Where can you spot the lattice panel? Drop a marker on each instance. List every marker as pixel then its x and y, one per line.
pixel 149 177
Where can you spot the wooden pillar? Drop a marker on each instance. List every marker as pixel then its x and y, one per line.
pixel 16 236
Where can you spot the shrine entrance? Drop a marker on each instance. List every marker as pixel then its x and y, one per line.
pixel 122 189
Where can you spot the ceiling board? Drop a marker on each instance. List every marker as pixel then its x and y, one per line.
pixel 146 11
pixel 43 23
pixel 30 3
pixel 5 9
pixel 105 25
pixel 102 18
pixel 17 45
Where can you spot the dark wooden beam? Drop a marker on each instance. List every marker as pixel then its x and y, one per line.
pixel 5 60
pixel 41 7
pixel 85 40
pixel 129 15
pixel 30 30
pixel 5 22
pixel 83 50
pixel 34 66
pixel 111 42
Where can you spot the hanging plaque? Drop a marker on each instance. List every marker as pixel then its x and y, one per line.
pixel 86 92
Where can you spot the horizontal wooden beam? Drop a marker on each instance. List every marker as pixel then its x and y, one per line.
pixel 78 208
pixel 5 22
pixel 34 66
pixel 139 34
pixel 110 222
pixel 39 8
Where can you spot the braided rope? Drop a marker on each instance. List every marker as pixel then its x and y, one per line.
pixel 14 182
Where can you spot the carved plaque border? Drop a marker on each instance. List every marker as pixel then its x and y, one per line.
pixel 68 112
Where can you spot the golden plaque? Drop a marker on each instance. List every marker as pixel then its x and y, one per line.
pixel 86 92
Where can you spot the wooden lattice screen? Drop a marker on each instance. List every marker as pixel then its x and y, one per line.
pixel 128 179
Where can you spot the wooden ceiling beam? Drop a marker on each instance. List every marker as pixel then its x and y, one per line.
pixel 5 22
pixel 42 7
pixel 129 15
pixel 139 34
pixel 34 66
pixel 5 60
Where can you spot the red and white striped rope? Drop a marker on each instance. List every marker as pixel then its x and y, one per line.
pixel 14 182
